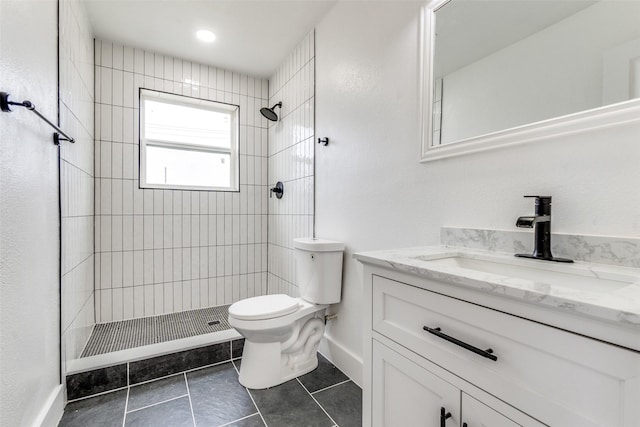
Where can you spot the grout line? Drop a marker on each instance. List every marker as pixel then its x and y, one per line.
pixel 158 379
pixel 112 178
pixel 256 405
pixel 188 247
pixel 85 259
pixel 102 393
pixel 193 416
pixel 173 240
pixel 155 404
pixel 317 403
pixel 181 372
pixel 331 386
pixel 294 144
pixel 239 419
pixel 151 380
pixel 126 405
pixel 199 86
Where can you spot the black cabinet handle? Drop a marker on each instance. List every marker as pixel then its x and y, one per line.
pixel 444 415
pixel 488 353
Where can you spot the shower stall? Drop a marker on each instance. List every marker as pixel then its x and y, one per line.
pixel 150 273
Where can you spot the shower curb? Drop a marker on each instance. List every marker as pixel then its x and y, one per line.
pixel 111 378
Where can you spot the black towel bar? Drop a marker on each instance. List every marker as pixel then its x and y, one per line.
pixel 5 103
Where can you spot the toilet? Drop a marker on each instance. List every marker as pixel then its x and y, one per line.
pixel 282 334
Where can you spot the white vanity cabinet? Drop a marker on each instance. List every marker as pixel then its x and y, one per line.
pixel 426 350
pixel 406 393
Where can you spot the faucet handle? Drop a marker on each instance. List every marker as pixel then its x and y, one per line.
pixel 542 205
pixel 541 200
pixel 540 197
pixel 278 189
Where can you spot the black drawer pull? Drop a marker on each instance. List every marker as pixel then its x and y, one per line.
pixel 444 415
pixel 488 353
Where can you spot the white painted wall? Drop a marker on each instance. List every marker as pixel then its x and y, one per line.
pixel 29 302
pixel 372 193
pixel 554 72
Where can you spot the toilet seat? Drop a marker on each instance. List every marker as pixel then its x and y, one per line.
pixel 263 307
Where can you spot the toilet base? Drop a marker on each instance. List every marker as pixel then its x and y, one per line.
pixel 255 356
pixel 267 365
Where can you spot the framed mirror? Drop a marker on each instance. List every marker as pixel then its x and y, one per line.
pixel 502 72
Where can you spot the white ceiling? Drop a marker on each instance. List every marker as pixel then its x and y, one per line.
pixel 253 36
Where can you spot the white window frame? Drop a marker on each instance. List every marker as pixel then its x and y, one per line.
pixel 233 151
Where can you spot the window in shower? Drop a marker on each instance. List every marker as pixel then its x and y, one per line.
pixel 188 143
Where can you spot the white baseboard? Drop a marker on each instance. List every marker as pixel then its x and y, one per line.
pixel 344 359
pixel 51 413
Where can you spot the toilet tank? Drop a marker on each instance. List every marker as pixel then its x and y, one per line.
pixel 319 269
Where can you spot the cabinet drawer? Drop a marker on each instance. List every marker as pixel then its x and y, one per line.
pixel 555 376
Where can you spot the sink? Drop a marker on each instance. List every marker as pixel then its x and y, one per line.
pixel 578 276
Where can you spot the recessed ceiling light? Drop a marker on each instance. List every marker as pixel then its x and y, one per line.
pixel 206 36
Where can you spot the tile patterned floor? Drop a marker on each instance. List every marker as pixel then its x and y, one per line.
pixel 213 397
pixel 125 334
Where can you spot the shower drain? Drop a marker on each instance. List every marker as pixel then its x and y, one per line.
pixel 213 322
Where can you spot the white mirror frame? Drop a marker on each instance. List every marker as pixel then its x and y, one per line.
pixel 583 121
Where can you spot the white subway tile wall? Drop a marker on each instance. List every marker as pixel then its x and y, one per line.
pixel 291 160
pixel 76 178
pixel 164 251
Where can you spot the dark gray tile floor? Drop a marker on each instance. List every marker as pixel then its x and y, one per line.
pixel 212 396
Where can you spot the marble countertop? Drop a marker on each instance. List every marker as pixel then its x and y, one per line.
pixel 616 300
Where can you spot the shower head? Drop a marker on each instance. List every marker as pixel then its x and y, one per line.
pixel 269 114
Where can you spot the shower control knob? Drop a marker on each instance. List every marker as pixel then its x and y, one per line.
pixel 278 190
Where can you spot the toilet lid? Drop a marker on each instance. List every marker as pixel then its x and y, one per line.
pixel 263 307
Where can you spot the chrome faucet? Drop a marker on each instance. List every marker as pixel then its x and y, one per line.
pixel 541 224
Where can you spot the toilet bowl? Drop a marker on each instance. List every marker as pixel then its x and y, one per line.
pixel 282 333
pixel 281 336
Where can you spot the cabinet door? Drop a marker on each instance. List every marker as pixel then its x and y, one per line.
pixel 477 414
pixel 406 394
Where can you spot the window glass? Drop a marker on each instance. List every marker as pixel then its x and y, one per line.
pixel 184 124
pixel 187 143
pixel 170 166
